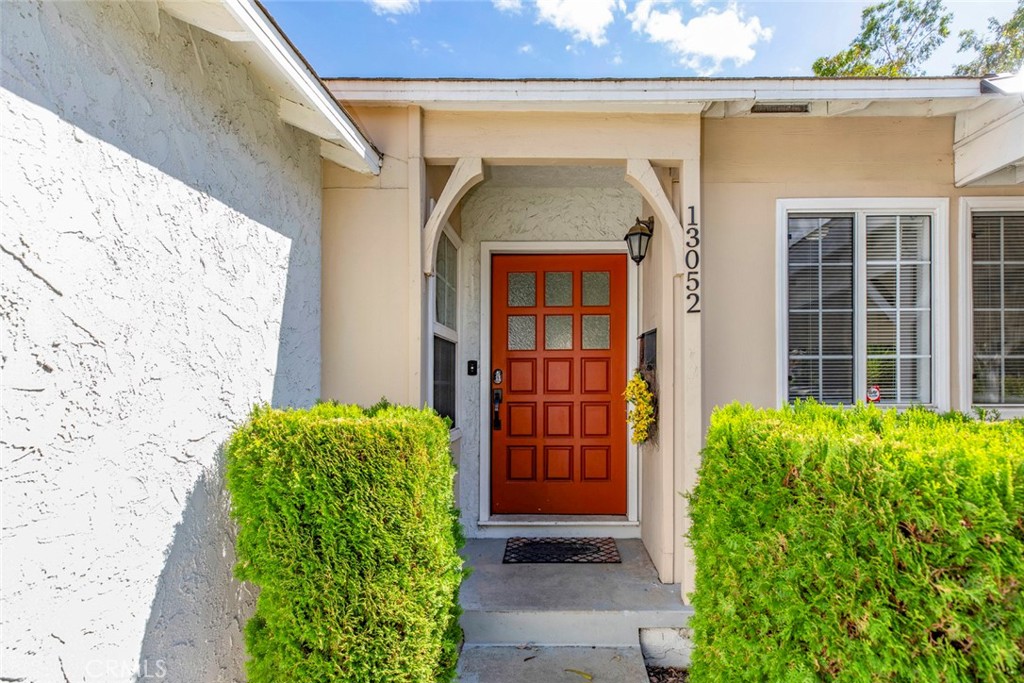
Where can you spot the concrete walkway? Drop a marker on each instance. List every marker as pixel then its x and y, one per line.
pixel 529 623
pixel 484 664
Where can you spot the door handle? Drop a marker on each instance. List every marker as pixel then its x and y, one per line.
pixel 496 402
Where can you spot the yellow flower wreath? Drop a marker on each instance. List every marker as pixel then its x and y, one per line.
pixel 641 415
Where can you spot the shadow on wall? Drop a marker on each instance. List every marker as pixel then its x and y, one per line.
pixel 210 92
pixel 196 627
pixel 202 289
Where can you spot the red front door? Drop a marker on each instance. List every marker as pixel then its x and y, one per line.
pixel 558 338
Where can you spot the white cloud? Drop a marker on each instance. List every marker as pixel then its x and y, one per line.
pixel 586 20
pixel 508 5
pixel 525 49
pixel 395 6
pixel 707 40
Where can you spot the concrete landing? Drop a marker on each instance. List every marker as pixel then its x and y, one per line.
pixel 603 605
pixel 484 664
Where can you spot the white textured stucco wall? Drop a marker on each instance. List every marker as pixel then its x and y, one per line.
pixel 584 204
pixel 160 274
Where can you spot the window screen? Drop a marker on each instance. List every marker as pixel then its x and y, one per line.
pixel 444 378
pixel 997 269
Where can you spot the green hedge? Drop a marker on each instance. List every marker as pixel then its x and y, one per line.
pixel 858 545
pixel 347 525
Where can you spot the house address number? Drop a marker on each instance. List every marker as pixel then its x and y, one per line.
pixel 691 259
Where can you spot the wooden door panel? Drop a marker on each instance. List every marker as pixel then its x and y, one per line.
pixel 558 331
pixel 522 374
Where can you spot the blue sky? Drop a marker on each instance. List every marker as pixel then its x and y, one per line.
pixel 586 38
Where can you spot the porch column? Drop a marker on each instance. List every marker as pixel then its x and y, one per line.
pixel 682 398
pixel 689 379
pixel 662 535
pixel 417 391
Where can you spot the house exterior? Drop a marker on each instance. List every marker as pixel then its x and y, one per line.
pixel 818 249
pixel 194 222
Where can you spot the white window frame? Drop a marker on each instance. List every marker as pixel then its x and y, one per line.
pixel 439 330
pixel 860 207
pixel 965 317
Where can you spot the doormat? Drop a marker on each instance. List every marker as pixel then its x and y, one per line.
pixel 521 550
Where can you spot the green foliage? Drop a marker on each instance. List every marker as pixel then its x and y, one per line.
pixel 347 525
pixel 896 38
pixel 858 545
pixel 1001 51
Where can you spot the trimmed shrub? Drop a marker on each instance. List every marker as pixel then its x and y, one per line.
pixel 347 525
pixel 858 545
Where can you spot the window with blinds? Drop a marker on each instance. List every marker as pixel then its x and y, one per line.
pixel 446 336
pixel 997 272
pixel 821 315
pixel 444 378
pixel 859 289
pixel 446 290
pixel 898 318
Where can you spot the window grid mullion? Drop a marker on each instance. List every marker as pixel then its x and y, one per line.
pixel 1002 309
pixel 860 304
pixel 899 337
pixel 821 336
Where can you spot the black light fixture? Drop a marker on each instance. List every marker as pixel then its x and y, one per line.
pixel 638 238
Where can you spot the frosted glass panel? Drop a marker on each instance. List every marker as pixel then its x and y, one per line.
pixel 596 331
pixel 522 333
pixel 522 289
pixel 558 332
pixel 595 290
pixel 558 289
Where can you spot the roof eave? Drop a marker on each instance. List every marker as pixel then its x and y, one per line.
pixel 661 95
pixel 305 102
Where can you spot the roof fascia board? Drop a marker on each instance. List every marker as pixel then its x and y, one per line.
pixel 645 91
pixel 273 44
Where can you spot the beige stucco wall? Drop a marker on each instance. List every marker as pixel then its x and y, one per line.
pixel 367 268
pixel 748 164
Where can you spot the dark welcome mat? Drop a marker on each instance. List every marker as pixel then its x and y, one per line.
pixel 521 550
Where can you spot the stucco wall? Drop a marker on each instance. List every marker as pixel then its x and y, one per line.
pixel 371 271
pixel 747 165
pixel 161 270
pixel 498 212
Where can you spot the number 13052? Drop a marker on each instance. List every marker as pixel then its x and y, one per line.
pixel 691 259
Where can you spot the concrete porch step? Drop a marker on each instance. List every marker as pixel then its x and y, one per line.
pixel 534 664
pixel 602 605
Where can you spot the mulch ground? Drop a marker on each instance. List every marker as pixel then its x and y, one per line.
pixel 659 674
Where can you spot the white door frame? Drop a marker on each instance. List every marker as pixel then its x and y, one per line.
pixel 488 249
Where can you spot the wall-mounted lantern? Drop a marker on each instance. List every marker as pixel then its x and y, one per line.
pixel 638 238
